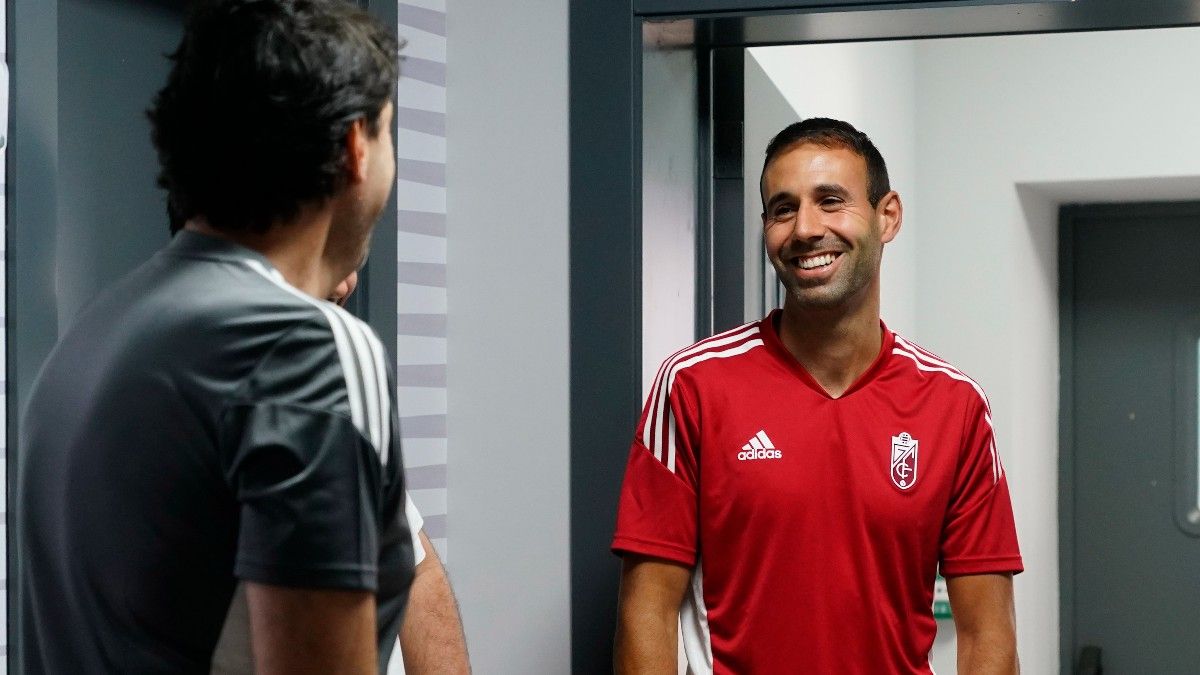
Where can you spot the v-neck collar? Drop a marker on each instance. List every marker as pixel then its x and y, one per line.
pixel 770 332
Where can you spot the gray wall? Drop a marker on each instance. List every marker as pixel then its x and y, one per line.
pixel 111 215
pixel 4 106
pixel 81 201
pixel 507 209
pixel 82 182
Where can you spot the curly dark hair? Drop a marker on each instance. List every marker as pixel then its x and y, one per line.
pixel 834 133
pixel 252 122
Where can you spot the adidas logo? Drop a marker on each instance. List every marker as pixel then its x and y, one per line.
pixel 759 447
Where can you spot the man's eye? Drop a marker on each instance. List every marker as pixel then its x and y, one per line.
pixel 784 211
pixel 830 201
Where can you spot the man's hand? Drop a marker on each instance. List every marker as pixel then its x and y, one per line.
pixel 431 638
pixel 986 623
pixel 648 615
pixel 297 630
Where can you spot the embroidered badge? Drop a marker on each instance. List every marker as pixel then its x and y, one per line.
pixel 904 461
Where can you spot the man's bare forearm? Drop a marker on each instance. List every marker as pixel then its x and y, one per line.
pixel 988 654
pixel 648 616
pixel 986 623
pixel 431 638
pixel 646 643
pixel 296 630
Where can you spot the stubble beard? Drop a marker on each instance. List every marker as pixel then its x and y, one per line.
pixel 850 280
pixel 353 235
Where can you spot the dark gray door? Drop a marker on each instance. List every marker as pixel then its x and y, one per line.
pixel 1131 524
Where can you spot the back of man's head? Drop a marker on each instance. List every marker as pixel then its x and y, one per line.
pixel 833 133
pixel 252 122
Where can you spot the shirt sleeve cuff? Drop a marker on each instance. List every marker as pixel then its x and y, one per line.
pixel 989 565
pixel 672 552
pixel 343 577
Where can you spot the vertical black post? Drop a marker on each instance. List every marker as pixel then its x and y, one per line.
pixel 728 219
pixel 605 277
pixel 704 192
pixel 1066 434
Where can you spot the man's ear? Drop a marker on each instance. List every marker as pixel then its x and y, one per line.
pixel 356 150
pixel 891 215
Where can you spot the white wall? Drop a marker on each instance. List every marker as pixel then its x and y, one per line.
pixel 1006 129
pixel 507 330
pixel 766 111
pixel 827 81
pixel 669 166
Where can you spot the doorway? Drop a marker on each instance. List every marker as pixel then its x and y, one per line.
pixel 607 254
pixel 1130 499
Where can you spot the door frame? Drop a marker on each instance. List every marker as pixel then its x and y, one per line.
pixel 605 256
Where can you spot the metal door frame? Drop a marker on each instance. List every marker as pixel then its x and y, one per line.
pixel 606 51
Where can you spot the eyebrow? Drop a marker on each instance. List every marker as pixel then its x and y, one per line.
pixel 832 189
pixel 776 198
pixel 824 189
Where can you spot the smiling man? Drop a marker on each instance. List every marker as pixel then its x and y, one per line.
pixel 796 483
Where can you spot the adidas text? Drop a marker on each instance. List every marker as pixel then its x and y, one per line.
pixel 759 454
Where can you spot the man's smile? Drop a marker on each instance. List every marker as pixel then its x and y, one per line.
pixel 815 261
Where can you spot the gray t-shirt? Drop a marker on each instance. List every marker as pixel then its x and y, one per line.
pixel 203 423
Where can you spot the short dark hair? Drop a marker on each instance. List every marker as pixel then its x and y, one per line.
pixel 251 124
pixel 833 133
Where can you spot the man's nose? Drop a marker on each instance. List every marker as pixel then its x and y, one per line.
pixel 809 224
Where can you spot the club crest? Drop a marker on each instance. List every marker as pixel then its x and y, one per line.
pixel 904 461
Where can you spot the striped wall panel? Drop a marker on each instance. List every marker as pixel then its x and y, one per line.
pixel 421 278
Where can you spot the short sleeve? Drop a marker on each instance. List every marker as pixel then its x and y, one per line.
pixel 657 513
pixel 309 490
pixel 320 504
pixel 979 535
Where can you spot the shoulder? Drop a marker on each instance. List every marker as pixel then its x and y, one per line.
pixel 330 361
pixel 316 321
pixel 326 339
pixel 922 366
pixel 314 349
pixel 713 356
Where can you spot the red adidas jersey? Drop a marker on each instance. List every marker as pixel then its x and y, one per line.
pixel 815 526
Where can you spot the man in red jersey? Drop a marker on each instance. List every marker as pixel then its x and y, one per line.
pixel 795 484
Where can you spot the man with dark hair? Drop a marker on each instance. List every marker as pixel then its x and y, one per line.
pixel 210 474
pixel 796 483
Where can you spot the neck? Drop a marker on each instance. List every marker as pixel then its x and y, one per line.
pixel 298 249
pixel 835 345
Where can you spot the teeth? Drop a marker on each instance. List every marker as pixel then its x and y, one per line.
pixel 818 261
